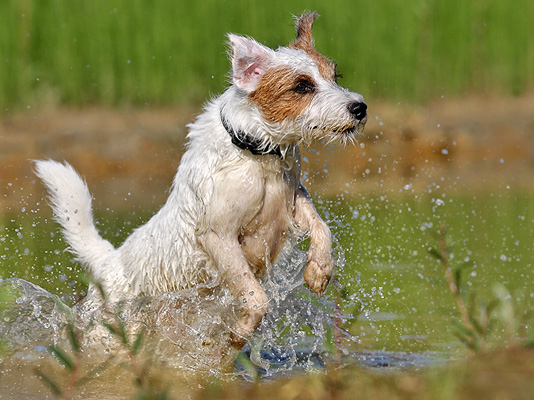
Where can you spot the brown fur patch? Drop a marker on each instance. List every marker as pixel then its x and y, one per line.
pixel 327 68
pixel 276 97
pixel 304 41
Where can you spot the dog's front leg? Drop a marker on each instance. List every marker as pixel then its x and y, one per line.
pixel 320 262
pixel 235 271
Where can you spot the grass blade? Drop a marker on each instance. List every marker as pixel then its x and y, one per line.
pixel 73 338
pixel 62 357
pixel 137 343
pixel 50 382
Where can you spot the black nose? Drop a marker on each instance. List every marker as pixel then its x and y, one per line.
pixel 359 110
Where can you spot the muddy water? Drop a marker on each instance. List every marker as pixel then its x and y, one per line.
pixel 185 339
pixel 185 336
pixel 389 307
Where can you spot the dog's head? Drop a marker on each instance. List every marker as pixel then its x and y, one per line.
pixel 294 89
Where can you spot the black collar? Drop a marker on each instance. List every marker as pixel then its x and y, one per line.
pixel 246 142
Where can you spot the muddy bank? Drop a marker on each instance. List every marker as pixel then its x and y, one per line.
pixel 130 156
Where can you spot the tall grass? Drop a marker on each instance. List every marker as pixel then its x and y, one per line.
pixel 170 51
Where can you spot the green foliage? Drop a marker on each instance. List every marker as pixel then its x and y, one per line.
pixel 250 369
pixel 51 383
pixel 147 387
pixel 62 357
pixel 70 362
pixel 168 52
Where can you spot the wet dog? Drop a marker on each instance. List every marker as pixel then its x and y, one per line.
pixel 237 197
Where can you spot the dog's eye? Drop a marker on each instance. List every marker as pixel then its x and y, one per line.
pixel 304 87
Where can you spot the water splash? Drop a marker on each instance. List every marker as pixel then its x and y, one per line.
pixel 36 319
pixel 188 330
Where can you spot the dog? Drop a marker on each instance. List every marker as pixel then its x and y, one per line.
pixel 237 197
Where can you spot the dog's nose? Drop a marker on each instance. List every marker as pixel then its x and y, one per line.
pixel 358 109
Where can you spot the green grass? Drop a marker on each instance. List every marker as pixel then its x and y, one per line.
pixel 165 52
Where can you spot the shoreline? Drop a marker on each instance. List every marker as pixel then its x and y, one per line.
pixel 129 156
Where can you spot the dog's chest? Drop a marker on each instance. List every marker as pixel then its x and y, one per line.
pixel 263 237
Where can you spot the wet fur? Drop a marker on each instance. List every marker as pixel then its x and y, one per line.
pixel 229 212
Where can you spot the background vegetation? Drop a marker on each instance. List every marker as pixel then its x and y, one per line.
pixel 168 52
pixel 467 167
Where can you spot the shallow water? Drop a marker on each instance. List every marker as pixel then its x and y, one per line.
pixel 404 296
pixel 186 340
pixel 389 307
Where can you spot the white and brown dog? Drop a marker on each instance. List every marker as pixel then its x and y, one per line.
pixel 237 196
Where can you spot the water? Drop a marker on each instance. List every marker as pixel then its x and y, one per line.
pixel 402 286
pixel 388 308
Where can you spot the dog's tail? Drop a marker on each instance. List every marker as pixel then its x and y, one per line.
pixel 71 203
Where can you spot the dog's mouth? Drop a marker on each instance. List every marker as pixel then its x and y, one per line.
pixel 342 133
pixel 352 129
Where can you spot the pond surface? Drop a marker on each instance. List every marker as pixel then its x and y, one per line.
pixel 405 298
pixel 389 305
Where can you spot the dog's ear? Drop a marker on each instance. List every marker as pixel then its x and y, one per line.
pixel 250 60
pixel 304 27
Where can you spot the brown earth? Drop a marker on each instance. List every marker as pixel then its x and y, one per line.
pixel 498 375
pixel 129 156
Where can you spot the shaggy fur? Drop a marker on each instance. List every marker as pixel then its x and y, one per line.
pixel 229 211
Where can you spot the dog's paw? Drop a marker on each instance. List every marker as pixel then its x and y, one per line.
pixel 238 339
pixel 240 334
pixel 318 272
pixel 249 322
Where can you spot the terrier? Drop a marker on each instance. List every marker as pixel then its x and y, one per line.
pixel 237 196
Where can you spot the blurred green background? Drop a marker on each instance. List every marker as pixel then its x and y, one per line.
pixel 171 52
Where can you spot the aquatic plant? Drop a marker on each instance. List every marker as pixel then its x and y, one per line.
pixel 478 317
pixel 346 310
pixel 70 362
pixel 147 387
